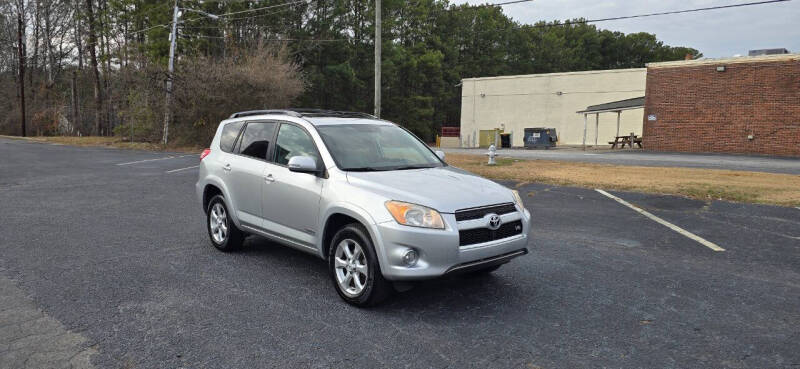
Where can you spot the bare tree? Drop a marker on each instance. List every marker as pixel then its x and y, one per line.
pixel 77 28
pixel 105 29
pixel 48 45
pixel 21 41
pixel 98 92
pixel 78 31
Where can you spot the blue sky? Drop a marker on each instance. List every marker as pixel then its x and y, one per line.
pixel 716 33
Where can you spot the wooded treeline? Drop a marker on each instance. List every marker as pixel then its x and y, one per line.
pixel 99 66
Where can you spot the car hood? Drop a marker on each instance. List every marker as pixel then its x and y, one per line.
pixel 445 189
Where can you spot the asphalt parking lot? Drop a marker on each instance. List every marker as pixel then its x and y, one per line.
pixel 105 262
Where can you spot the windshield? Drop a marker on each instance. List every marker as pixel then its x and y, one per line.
pixel 373 147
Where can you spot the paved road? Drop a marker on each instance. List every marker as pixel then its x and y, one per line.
pixel 647 158
pixel 117 257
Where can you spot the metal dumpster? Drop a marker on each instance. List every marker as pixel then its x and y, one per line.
pixel 540 138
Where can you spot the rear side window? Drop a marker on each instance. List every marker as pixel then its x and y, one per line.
pixel 256 139
pixel 228 136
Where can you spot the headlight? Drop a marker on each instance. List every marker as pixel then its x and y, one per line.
pixel 518 199
pixel 415 215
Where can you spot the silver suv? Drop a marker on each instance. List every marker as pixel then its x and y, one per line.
pixel 362 193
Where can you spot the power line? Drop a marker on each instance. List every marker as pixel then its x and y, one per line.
pixel 263 8
pixel 260 15
pixel 232 13
pixel 454 8
pixel 309 2
pixel 478 6
pixel 149 28
pixel 285 39
pixel 587 21
pixel 682 11
pixel 567 23
pixel 505 3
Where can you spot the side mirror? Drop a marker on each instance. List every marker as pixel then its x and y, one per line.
pixel 303 164
pixel 440 154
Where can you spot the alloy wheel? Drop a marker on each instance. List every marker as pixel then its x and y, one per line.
pixel 218 221
pixel 351 268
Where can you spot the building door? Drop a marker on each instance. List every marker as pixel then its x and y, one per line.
pixel 487 137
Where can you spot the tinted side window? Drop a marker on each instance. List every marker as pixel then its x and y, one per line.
pixel 228 136
pixel 294 141
pixel 256 138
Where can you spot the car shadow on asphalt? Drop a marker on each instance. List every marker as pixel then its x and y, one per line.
pixel 457 293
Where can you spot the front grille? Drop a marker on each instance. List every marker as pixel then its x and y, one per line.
pixel 480 235
pixel 478 213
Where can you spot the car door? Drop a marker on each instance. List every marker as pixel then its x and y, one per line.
pixel 290 199
pixel 245 171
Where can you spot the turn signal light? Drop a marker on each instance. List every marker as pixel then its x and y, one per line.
pixel 205 153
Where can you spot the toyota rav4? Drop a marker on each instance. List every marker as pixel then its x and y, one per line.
pixel 364 194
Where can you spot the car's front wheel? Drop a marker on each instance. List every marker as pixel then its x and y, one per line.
pixel 354 267
pixel 221 230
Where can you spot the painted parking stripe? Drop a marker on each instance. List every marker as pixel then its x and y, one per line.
pixel 663 222
pixel 144 161
pixel 178 170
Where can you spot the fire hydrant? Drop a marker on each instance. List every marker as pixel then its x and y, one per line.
pixel 492 153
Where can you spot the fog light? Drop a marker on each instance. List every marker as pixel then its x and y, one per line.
pixel 410 258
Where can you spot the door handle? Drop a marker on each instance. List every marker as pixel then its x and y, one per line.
pixel 269 178
pixel 227 167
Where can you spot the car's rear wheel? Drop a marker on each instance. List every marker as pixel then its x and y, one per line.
pixel 221 230
pixel 354 267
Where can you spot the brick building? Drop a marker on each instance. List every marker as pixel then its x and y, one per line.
pixel 748 105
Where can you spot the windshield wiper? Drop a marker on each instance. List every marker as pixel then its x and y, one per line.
pixel 414 167
pixel 383 169
pixel 364 169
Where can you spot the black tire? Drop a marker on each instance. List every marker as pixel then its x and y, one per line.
pixel 234 238
pixel 376 289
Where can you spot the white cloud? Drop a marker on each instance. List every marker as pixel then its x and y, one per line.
pixel 716 33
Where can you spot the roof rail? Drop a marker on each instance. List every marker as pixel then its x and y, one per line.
pixel 260 112
pixel 332 113
pixel 305 113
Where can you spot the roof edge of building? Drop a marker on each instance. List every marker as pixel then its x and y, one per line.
pixel 626 70
pixel 734 60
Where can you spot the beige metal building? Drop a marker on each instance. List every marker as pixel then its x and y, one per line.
pixel 509 104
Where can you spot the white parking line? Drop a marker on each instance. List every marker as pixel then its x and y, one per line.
pixel 665 223
pixel 144 161
pixel 178 170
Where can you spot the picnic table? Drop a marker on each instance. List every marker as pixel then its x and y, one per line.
pixel 629 140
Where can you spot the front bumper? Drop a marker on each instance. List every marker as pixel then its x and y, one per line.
pixel 485 263
pixel 439 250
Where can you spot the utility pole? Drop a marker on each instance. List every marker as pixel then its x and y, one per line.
pixel 378 58
pixel 22 56
pixel 173 36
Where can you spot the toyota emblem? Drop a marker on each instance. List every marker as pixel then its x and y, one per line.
pixel 494 222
